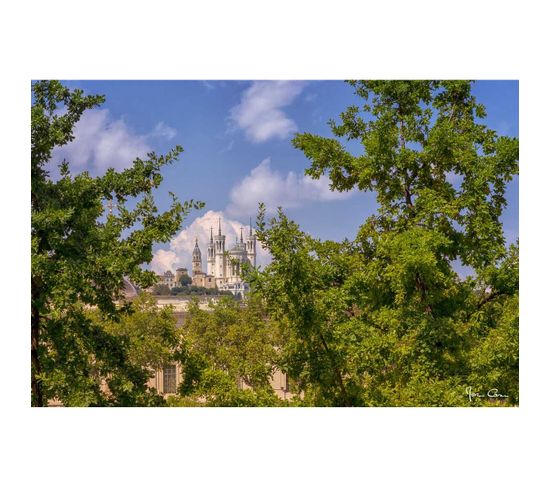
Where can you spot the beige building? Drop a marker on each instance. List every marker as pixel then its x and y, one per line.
pixel 199 277
pixel 224 267
pixel 181 272
pixel 167 380
pixel 168 279
pixel 203 280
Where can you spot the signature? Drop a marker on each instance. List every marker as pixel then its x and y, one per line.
pixel 492 393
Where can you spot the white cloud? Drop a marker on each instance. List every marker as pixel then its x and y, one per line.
pixel 164 260
pixel 274 189
pixel 163 131
pixel 101 142
pixel 259 113
pixel 181 247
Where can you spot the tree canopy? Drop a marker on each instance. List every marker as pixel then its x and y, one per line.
pixel 81 254
pixel 229 355
pixel 385 319
pixel 382 319
pixel 185 280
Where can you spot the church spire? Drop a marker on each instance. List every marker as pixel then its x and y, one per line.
pixel 250 226
pixel 241 234
pixel 219 226
pixel 197 258
pixel 196 250
pixel 211 235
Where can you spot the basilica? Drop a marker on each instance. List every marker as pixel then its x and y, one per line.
pixel 223 269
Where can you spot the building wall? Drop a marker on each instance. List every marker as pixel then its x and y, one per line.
pixel 169 280
pixel 206 281
pixel 181 272
pixel 278 382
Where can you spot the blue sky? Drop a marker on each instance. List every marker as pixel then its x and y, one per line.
pixel 236 139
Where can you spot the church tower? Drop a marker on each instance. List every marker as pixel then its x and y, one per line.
pixel 211 256
pixel 251 246
pixel 197 259
pixel 219 248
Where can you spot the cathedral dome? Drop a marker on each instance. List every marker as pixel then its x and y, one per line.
pixel 238 248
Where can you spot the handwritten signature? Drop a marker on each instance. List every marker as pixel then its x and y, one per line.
pixel 492 393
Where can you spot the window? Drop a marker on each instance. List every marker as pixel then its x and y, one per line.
pixel 169 378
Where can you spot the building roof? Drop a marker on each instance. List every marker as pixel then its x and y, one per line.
pixel 196 250
pixel 238 248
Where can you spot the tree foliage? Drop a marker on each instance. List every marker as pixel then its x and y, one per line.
pixel 385 319
pixel 161 289
pixel 81 254
pixel 143 339
pixel 229 355
pixel 185 280
pixel 381 320
pixel 150 332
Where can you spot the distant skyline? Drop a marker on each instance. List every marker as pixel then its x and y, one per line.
pixel 236 139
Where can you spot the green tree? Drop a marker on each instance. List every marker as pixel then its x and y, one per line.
pixel 302 290
pixel 161 289
pixel 185 280
pixel 494 356
pixel 81 254
pixel 385 319
pixel 151 340
pixel 228 355
pixel 176 290
pixel 150 331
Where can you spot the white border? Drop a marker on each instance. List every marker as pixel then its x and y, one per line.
pixel 262 40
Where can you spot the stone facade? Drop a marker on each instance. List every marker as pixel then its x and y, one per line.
pixel 170 377
pixel 204 280
pixel 181 272
pixel 223 270
pixel 167 380
pixel 224 267
pixel 168 279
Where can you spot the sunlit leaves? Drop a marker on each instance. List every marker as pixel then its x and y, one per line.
pixel 81 255
pixel 385 320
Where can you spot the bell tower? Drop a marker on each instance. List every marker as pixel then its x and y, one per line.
pixel 211 256
pixel 219 250
pixel 251 246
pixel 197 258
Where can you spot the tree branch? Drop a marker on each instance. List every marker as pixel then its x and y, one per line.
pixel 337 372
